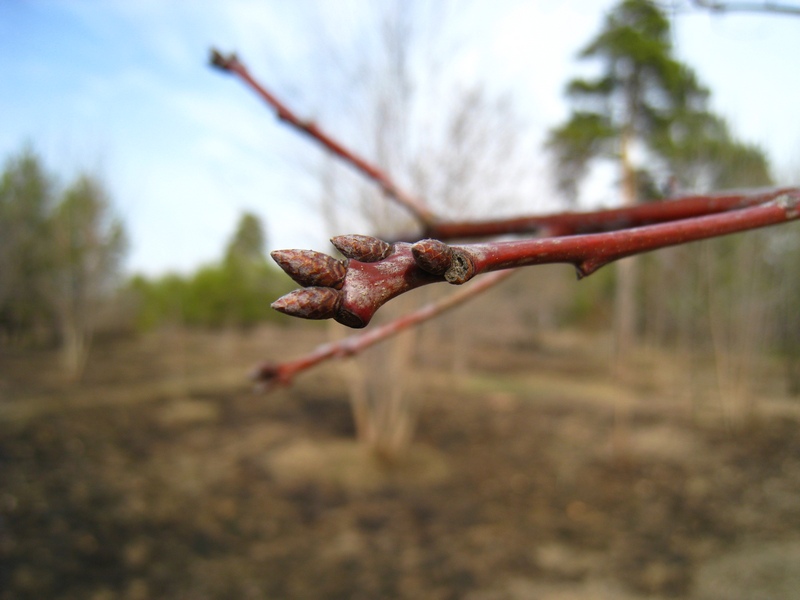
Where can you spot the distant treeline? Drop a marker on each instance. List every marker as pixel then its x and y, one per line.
pixel 61 278
pixel 61 250
pixel 235 291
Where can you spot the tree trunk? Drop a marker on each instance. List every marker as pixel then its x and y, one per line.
pixel 382 399
pixel 74 351
pixel 626 313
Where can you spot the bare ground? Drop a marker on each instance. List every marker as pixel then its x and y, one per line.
pixel 535 474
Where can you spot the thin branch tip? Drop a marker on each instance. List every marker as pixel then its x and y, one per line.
pixel 272 375
pixel 418 208
pixel 269 375
pixel 264 373
pixel 221 61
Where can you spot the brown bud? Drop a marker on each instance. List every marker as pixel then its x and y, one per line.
pixel 222 62
pixel 363 248
pixel 310 303
pixel 266 373
pixel 269 376
pixel 310 268
pixel 432 256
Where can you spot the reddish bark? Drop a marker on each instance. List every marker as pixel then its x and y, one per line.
pixel 283 373
pixel 592 251
pixel 368 286
pixel 376 271
pixel 231 64
pixel 572 223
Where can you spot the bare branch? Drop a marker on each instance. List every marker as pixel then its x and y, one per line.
pixel 283 373
pixel 571 223
pixel 763 7
pixel 590 252
pixel 231 64
pixel 369 285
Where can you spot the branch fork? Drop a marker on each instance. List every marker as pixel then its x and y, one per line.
pixel 374 271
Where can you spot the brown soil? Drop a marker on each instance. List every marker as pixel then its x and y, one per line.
pixel 536 474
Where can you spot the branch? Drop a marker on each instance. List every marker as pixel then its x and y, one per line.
pixel 375 272
pixel 571 223
pixel 767 7
pixel 283 373
pixel 557 224
pixel 231 64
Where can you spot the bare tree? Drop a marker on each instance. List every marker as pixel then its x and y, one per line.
pixel 89 245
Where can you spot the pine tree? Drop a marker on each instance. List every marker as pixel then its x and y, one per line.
pixel 644 99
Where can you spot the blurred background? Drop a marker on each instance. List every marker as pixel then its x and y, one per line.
pixel 631 435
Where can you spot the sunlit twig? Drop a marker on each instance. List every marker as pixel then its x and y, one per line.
pixel 271 374
pixel 231 64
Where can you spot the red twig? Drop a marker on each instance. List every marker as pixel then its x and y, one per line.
pixel 571 223
pixel 592 251
pixel 283 373
pixel 231 64
pixel 324 274
pixel 375 271
pixel 370 281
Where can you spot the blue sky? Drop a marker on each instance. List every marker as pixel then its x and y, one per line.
pixel 123 89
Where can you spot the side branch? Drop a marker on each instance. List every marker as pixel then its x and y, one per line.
pixel 283 373
pixel 375 272
pixel 765 7
pixel 590 252
pixel 231 64
pixel 573 223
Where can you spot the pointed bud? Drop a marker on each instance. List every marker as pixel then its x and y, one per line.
pixel 310 268
pixel 363 248
pixel 432 256
pixel 310 303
